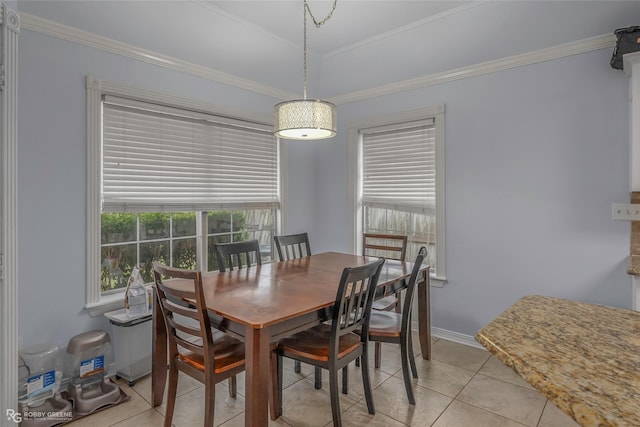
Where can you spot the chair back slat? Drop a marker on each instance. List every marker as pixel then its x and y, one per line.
pixel 354 298
pixel 390 246
pixel 244 253
pixel 292 246
pixel 177 296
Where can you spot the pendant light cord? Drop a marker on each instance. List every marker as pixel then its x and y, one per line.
pixel 318 24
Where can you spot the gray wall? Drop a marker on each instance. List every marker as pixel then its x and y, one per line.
pixel 535 158
pixel 52 172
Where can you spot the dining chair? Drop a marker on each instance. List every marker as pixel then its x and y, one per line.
pixel 392 327
pixel 334 345
pixel 245 254
pixel 293 246
pixel 194 348
pixel 391 246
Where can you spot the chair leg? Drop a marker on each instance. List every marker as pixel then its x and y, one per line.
pixel 233 387
pixel 378 355
pixel 209 400
pixel 318 378
pixel 345 380
pixel 275 394
pixel 412 356
pixel 358 362
pixel 171 394
pixel 297 366
pixel 366 382
pixel 335 397
pixel 405 370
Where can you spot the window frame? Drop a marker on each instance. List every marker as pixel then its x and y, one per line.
pixel 95 302
pixel 437 113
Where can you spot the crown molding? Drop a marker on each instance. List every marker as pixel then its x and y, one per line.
pixel 32 22
pixel 44 26
pixel 529 58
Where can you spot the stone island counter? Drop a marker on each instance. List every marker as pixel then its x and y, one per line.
pixel 583 357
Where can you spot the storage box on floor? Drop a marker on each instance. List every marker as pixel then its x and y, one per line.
pixel 132 344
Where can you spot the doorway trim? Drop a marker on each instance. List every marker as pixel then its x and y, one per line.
pixel 9 31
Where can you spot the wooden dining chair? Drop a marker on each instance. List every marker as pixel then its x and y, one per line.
pixel 194 348
pixel 392 327
pixel 390 246
pixel 292 246
pixel 334 345
pixel 244 253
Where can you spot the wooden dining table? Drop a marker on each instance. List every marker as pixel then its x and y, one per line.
pixel 262 304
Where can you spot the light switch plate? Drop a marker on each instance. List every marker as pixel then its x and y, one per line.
pixel 625 212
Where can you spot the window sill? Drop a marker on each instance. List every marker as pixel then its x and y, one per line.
pixel 437 282
pixel 106 303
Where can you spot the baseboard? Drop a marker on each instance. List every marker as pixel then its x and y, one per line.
pixel 455 337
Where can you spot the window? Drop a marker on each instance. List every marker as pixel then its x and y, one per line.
pixel 168 179
pixel 399 181
pixel 130 239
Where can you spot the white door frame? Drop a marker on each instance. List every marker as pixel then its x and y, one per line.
pixel 9 31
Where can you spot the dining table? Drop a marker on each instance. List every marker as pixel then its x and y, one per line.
pixel 263 303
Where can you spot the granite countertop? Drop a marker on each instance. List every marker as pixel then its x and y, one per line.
pixel 633 265
pixel 585 358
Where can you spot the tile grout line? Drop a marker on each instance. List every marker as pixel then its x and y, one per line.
pixel 455 398
pixel 497 379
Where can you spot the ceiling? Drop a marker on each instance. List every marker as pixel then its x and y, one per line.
pixel 365 44
pixel 353 22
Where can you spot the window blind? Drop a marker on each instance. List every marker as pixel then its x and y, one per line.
pixel 399 164
pixel 157 158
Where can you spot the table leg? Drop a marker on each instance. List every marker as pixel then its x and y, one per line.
pixel 159 355
pixel 424 315
pixel 257 379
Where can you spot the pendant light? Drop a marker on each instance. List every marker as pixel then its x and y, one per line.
pixel 306 119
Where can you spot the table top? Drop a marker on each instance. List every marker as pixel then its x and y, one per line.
pixel 262 295
pixel 585 358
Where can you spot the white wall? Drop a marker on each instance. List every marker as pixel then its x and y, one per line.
pixel 535 156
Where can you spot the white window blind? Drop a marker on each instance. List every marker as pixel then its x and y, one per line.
pixel 399 164
pixel 157 158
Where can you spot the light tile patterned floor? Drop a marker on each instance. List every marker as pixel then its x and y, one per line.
pixel 462 386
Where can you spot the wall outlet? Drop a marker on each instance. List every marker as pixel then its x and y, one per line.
pixel 625 212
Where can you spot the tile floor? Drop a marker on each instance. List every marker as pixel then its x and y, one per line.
pixel 462 386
